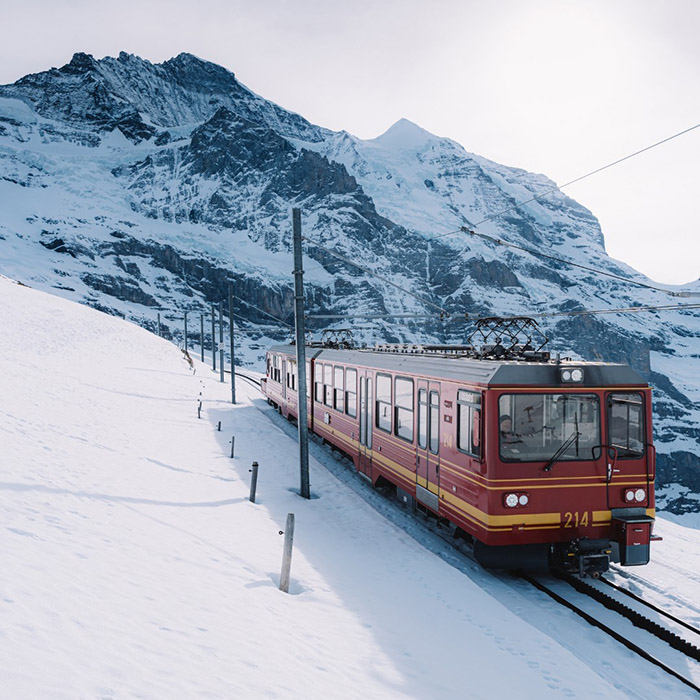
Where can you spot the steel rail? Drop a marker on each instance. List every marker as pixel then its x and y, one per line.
pixel 611 632
pixel 650 605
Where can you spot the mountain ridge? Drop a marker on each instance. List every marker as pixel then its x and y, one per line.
pixel 139 186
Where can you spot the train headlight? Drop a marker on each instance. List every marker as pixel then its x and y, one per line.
pixel 511 500
pixel 629 496
pixel 571 376
pixel 523 499
pixel 640 495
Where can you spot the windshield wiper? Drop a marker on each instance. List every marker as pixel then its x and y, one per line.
pixel 565 446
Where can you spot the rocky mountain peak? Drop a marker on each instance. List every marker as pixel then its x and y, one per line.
pixel 405 135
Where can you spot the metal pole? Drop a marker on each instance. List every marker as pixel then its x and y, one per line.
pixel 230 332
pixel 233 445
pixel 159 324
pixel 201 334
pixel 221 342
pixel 253 482
pixel 287 555
pixel 213 339
pixel 185 331
pixel 302 421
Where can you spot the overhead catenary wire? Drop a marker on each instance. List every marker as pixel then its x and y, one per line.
pixel 373 274
pixel 557 188
pixel 445 315
pixel 577 179
pixel 500 241
pixel 547 314
pixel 262 311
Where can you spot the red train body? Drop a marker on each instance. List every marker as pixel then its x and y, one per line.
pixel 536 461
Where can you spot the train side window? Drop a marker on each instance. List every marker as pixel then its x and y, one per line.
pixel 269 365
pixel 403 408
pixel 422 418
pixel 626 424
pixel 308 379
pixel 434 422
pixel 276 372
pixel 384 402
pixel 469 422
pixel 292 375
pixel 351 392
pixel 328 385
pixel 339 389
pixel 318 384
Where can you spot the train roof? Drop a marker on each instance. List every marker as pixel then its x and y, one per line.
pixel 492 373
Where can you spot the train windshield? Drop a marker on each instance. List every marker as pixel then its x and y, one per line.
pixel 534 427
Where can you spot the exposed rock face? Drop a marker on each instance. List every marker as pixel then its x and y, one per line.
pixel 143 189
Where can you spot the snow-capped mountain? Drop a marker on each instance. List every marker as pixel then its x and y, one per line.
pixel 141 188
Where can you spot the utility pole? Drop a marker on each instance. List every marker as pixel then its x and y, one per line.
pixel 159 324
pixel 213 339
pixel 230 327
pixel 185 331
pixel 201 334
pixel 301 355
pixel 221 343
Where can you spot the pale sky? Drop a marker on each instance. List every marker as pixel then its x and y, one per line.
pixel 559 87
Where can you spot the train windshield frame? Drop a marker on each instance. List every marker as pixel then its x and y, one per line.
pixel 533 427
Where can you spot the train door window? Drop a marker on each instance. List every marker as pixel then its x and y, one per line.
pixel 363 411
pixel 268 366
pixel 351 392
pixel 403 408
pixel 369 412
pixel 328 385
pixel 626 424
pixel 292 375
pixel 318 384
pixel 339 389
pixel 469 422
pixel 422 418
pixel 384 402
pixel 434 422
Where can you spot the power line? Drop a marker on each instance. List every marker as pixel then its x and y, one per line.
pixel 374 274
pixel 558 188
pixel 500 241
pixel 621 310
pixel 252 306
pixel 571 182
pixel 549 314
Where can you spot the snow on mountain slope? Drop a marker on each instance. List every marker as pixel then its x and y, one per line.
pixel 135 566
pixel 142 188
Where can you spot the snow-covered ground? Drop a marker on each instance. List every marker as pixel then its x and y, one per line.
pixel 135 566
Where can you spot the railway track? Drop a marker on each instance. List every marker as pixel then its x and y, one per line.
pixel 668 650
pixel 657 643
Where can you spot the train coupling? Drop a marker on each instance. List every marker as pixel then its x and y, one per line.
pixel 585 557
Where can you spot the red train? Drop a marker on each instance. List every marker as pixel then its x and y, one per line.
pixel 539 461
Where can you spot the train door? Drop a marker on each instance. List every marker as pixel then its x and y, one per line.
pixel 627 451
pixel 428 444
pixel 366 420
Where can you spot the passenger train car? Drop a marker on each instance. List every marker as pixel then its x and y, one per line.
pixel 538 462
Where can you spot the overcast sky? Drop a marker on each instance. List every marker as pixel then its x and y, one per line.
pixel 559 87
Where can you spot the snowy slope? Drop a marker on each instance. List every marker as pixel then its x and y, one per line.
pixel 135 566
pixel 143 189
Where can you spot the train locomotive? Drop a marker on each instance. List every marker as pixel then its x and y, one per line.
pixel 539 461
